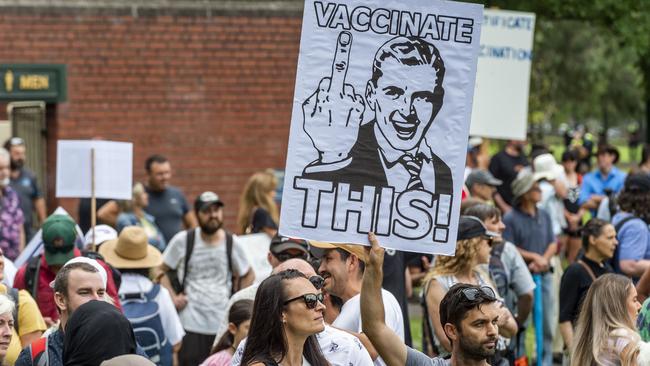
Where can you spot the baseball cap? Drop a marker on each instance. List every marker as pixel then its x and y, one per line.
pixel 59 235
pixel 480 176
pixel 637 183
pixel 102 233
pixel 357 250
pixel 281 243
pixel 471 227
pixel 92 262
pixel 206 199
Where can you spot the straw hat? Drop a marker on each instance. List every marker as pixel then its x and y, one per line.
pixel 356 249
pixel 131 249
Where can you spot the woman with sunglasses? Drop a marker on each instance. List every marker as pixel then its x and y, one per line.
pixel 605 332
pixel 287 313
pixel 472 250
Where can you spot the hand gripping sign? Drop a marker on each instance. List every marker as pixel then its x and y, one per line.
pixel 378 140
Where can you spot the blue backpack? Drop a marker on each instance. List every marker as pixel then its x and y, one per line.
pixel 144 314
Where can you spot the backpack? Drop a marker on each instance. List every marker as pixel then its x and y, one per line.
pixel 34 269
pixel 172 274
pixel 498 269
pixel 615 261
pixel 144 314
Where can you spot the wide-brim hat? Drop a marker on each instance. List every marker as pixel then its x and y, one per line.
pixel 356 249
pixel 131 249
pixel 523 183
pixel 546 167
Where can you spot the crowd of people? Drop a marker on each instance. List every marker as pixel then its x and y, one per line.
pixel 159 281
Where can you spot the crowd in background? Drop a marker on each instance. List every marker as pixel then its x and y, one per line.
pixel 554 246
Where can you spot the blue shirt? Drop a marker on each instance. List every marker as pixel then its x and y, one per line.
pixel 531 233
pixel 168 207
pixel 595 183
pixel 633 238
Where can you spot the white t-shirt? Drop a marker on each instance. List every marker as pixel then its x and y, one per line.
pixel 338 347
pixel 350 317
pixel 244 294
pixel 133 283
pixel 208 283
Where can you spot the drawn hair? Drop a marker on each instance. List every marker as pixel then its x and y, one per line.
pixel 256 194
pixel 598 320
pixel 267 341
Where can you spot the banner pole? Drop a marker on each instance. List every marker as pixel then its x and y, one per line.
pixel 93 200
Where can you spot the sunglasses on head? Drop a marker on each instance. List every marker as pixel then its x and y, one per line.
pixel 472 293
pixel 311 300
pixel 317 281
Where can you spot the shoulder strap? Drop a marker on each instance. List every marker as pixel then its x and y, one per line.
pixel 189 248
pixel 620 224
pixel 234 276
pixel 38 346
pixel 151 295
pixel 588 269
pixel 31 275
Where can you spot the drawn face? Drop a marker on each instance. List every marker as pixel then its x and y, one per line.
pixel 403 102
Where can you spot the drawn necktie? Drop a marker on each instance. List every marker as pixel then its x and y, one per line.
pixel 413 166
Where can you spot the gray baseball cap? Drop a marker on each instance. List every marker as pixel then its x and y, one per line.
pixel 482 177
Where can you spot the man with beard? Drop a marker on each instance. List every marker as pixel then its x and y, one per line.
pixel 505 166
pixel 207 260
pixel 24 183
pixel 469 315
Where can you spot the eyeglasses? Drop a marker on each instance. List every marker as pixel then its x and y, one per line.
pixel 311 300
pixel 317 281
pixel 472 293
pixel 284 256
pixel 490 240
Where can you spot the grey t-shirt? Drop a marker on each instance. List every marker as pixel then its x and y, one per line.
pixel 168 207
pixel 532 233
pixel 27 188
pixel 417 358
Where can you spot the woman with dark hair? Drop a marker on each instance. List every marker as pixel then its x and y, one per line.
pixel 572 211
pixel 97 331
pixel 599 243
pixel 631 224
pixel 239 319
pixel 287 313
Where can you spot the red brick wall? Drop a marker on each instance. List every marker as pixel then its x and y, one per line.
pixel 214 94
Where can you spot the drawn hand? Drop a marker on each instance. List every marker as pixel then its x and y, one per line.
pixel 333 114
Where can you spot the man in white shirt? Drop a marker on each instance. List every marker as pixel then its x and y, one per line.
pixel 342 267
pixel 338 347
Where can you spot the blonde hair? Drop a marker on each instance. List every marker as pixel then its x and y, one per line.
pixel 256 194
pixel 466 251
pixel 603 318
pixel 127 205
pixel 7 305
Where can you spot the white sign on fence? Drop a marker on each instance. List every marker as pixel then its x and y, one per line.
pixel 503 75
pixel 380 122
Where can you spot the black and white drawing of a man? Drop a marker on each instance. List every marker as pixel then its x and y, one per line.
pixel 405 93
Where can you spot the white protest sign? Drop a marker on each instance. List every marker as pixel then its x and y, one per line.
pixel 380 122
pixel 503 75
pixel 256 247
pixel 113 169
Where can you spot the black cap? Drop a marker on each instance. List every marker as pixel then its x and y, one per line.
pixel 206 199
pixel 639 182
pixel 281 243
pixel 471 227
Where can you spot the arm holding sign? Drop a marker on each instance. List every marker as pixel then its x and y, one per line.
pixel 389 346
pixel 334 110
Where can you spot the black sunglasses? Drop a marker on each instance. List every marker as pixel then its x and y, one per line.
pixel 317 281
pixel 311 300
pixel 472 293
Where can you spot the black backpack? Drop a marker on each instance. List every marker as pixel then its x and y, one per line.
pixel 615 261
pixel 34 268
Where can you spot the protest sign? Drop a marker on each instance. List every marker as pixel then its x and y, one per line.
pixel 503 75
pixel 380 122
pixel 113 169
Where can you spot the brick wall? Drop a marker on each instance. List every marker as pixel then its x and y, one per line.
pixel 212 90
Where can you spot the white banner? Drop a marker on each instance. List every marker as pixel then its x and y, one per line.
pixel 380 122
pixel 113 169
pixel 503 75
